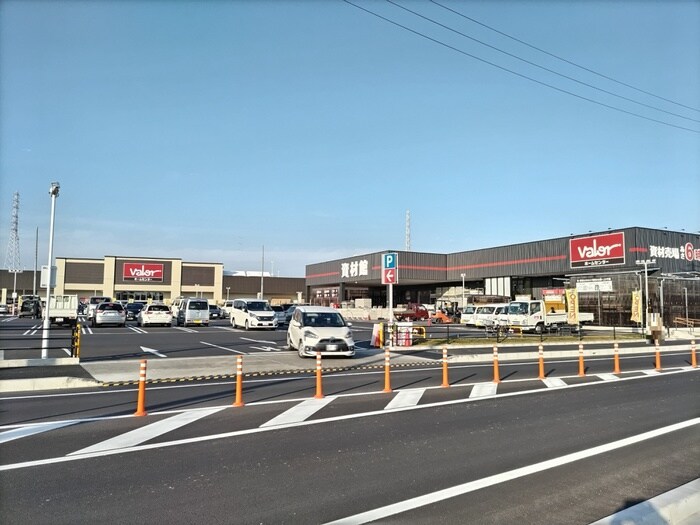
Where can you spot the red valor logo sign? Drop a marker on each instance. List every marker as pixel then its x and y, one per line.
pixel 597 250
pixel 143 272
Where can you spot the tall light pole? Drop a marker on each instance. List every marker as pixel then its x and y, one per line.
pixel 53 191
pixel 462 291
pixel 646 263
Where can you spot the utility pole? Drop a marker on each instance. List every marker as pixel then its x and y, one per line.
pixel 12 260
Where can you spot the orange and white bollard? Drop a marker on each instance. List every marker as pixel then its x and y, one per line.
pixel 617 359
pixel 445 381
pixel 693 358
pixel 141 402
pixel 319 381
pixel 239 382
pixel 581 366
pixel 658 355
pixel 387 371
pixel 496 375
pixel 541 352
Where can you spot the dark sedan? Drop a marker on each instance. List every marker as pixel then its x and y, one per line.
pixel 132 310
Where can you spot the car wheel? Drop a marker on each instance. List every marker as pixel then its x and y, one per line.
pixel 300 349
pixel 246 325
pixel 93 324
pixel 290 346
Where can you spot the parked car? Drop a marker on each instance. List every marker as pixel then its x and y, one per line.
pixel 288 313
pixel 215 312
pixel 193 311
pixel 320 329
pixel 93 301
pixel 252 313
pixel 132 310
pixel 31 309
pixel 155 313
pixel 4 309
pixel 279 314
pixel 109 313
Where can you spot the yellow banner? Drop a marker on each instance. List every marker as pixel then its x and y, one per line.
pixel 636 307
pixel 571 306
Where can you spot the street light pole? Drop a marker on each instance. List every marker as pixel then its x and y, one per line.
pixel 53 191
pixel 646 263
pixel 462 292
pixel 685 292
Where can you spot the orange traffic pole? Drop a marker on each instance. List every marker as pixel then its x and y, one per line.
pixel 239 382
pixel 541 352
pixel 141 402
pixel 617 359
pixel 581 367
pixel 387 371
pixel 693 359
pixel 445 382
pixel 658 354
pixel 319 381
pixel 496 376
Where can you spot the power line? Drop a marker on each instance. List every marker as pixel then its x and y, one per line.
pixel 519 74
pixel 540 66
pixel 563 59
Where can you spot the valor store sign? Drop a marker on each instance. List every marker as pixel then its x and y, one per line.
pixel 143 272
pixel 597 250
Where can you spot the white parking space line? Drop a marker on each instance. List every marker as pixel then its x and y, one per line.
pixel 18 433
pixel 300 412
pixel 223 348
pixel 608 377
pixel 483 390
pixel 471 486
pixel 188 330
pixel 650 372
pixel 141 435
pixel 406 398
pixel 67 351
pixel 553 382
pixel 137 329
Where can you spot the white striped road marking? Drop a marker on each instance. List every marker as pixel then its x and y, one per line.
pixel 227 328
pixel 21 432
pixel 265 348
pixel 141 435
pixel 152 351
pixel 608 377
pixel 67 351
pixel 258 341
pixel 471 486
pixel 483 390
pixel 553 382
pixel 222 348
pixel 137 329
pixel 86 329
pixel 185 329
pixel 650 372
pixel 300 412
pixel 405 398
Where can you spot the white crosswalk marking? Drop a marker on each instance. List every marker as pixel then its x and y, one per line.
pixel 18 433
pixel 484 389
pixel 608 377
pixel 553 382
pixel 140 435
pixel 300 412
pixel 405 398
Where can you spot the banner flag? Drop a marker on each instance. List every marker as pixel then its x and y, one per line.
pixel 571 306
pixel 636 306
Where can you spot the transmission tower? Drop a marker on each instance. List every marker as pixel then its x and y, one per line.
pixel 408 230
pixel 12 261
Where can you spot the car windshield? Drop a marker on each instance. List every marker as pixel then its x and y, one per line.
pixel 114 307
pixel 134 307
pixel 323 319
pixel 158 308
pixel 198 305
pixel 259 306
pixel 213 307
pixel 517 309
pixel 278 308
pixel 98 300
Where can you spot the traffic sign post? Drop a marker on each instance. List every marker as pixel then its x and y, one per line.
pixel 390 276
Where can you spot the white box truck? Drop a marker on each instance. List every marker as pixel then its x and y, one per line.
pixel 63 309
pixel 532 316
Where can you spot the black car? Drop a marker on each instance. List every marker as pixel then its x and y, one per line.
pixel 215 312
pixel 132 310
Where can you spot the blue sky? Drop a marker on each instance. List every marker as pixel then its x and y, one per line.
pixel 310 128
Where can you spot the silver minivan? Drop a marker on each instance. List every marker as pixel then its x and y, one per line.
pixel 193 310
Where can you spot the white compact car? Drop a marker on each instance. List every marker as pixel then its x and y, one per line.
pixel 154 314
pixel 320 329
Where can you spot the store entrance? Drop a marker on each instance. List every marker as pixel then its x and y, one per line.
pixel 139 296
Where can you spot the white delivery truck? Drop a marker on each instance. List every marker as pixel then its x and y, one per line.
pixel 532 316
pixel 63 310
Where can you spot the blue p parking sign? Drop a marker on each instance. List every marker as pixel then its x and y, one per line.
pixel 390 272
pixel 389 260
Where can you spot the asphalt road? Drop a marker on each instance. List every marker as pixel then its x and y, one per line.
pixel 288 458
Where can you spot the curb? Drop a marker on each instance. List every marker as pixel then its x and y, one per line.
pixel 45 383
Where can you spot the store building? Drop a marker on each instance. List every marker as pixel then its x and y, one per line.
pixel 605 267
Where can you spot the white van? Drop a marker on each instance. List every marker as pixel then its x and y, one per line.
pixel 488 314
pixel 252 313
pixel 226 308
pixel 193 310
